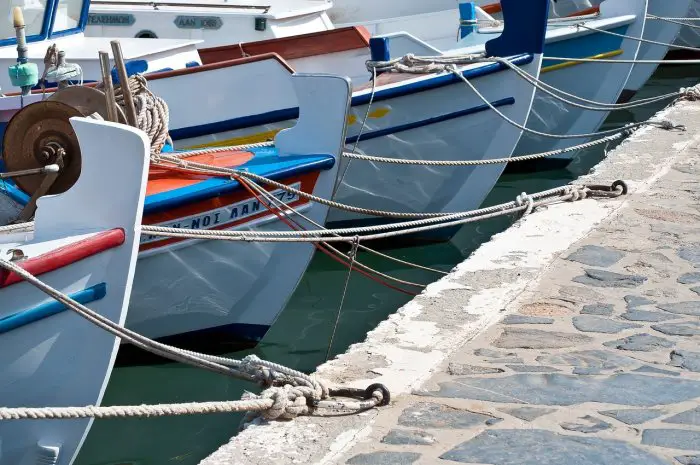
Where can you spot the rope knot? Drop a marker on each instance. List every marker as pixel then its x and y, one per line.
pixel 690 93
pixel 152 113
pixel 576 193
pixel 525 199
pixel 288 402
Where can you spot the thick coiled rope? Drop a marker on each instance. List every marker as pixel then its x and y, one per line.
pixel 152 113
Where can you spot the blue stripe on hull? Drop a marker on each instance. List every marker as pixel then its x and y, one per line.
pixel 429 121
pixel 25 317
pixel 584 46
pixel 290 166
pixel 286 114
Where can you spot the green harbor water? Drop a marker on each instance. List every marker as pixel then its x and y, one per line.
pixel 300 338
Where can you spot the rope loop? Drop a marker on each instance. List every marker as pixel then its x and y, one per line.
pixel 690 93
pixel 525 199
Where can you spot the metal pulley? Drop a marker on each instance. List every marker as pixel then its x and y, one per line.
pixel 39 135
pixel 36 135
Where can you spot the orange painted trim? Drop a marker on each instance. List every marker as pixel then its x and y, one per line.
pixel 492 8
pixel 308 182
pixel 164 179
pixel 588 11
pixel 289 48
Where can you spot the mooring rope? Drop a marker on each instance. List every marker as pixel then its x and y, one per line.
pixel 220 171
pixel 492 161
pixel 415 64
pixel 594 105
pixel 353 255
pixel 677 21
pixel 564 193
pixel 283 398
pixel 666 18
pixel 638 39
pixel 280 206
pixel 662 124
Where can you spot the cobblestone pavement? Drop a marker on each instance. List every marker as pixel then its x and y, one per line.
pixel 600 365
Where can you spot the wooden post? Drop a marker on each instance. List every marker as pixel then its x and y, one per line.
pixel 109 87
pixel 124 82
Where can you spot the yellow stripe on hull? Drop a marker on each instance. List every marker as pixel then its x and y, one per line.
pixel 242 140
pixel 269 135
pixel 568 64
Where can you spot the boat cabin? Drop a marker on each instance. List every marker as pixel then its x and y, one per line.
pixel 62 22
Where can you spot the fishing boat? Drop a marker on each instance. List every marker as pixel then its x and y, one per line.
pixel 612 33
pixel 424 117
pixel 655 30
pixel 229 292
pixel 408 116
pixel 49 355
pixel 195 291
pixel 215 22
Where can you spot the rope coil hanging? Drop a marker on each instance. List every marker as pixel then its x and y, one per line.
pixel 152 112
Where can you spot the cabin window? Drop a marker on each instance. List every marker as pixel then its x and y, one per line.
pixel 67 15
pixel 146 34
pixel 33 11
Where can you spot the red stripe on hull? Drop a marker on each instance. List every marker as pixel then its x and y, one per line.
pixel 66 255
pixel 588 11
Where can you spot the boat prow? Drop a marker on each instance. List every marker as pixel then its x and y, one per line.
pixel 84 245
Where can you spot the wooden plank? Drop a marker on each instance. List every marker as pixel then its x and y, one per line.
pixel 289 48
pixel 588 11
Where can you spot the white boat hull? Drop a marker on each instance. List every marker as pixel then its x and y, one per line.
pixel 49 355
pixel 236 289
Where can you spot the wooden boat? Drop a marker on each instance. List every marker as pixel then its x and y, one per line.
pixel 191 291
pixel 411 117
pixel 662 32
pixel 593 81
pixel 428 117
pixel 50 356
pixel 185 288
pixel 597 81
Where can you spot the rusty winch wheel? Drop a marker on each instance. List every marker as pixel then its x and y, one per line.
pixel 38 135
pixel 87 100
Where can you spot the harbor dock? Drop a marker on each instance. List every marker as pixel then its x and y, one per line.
pixel 570 337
